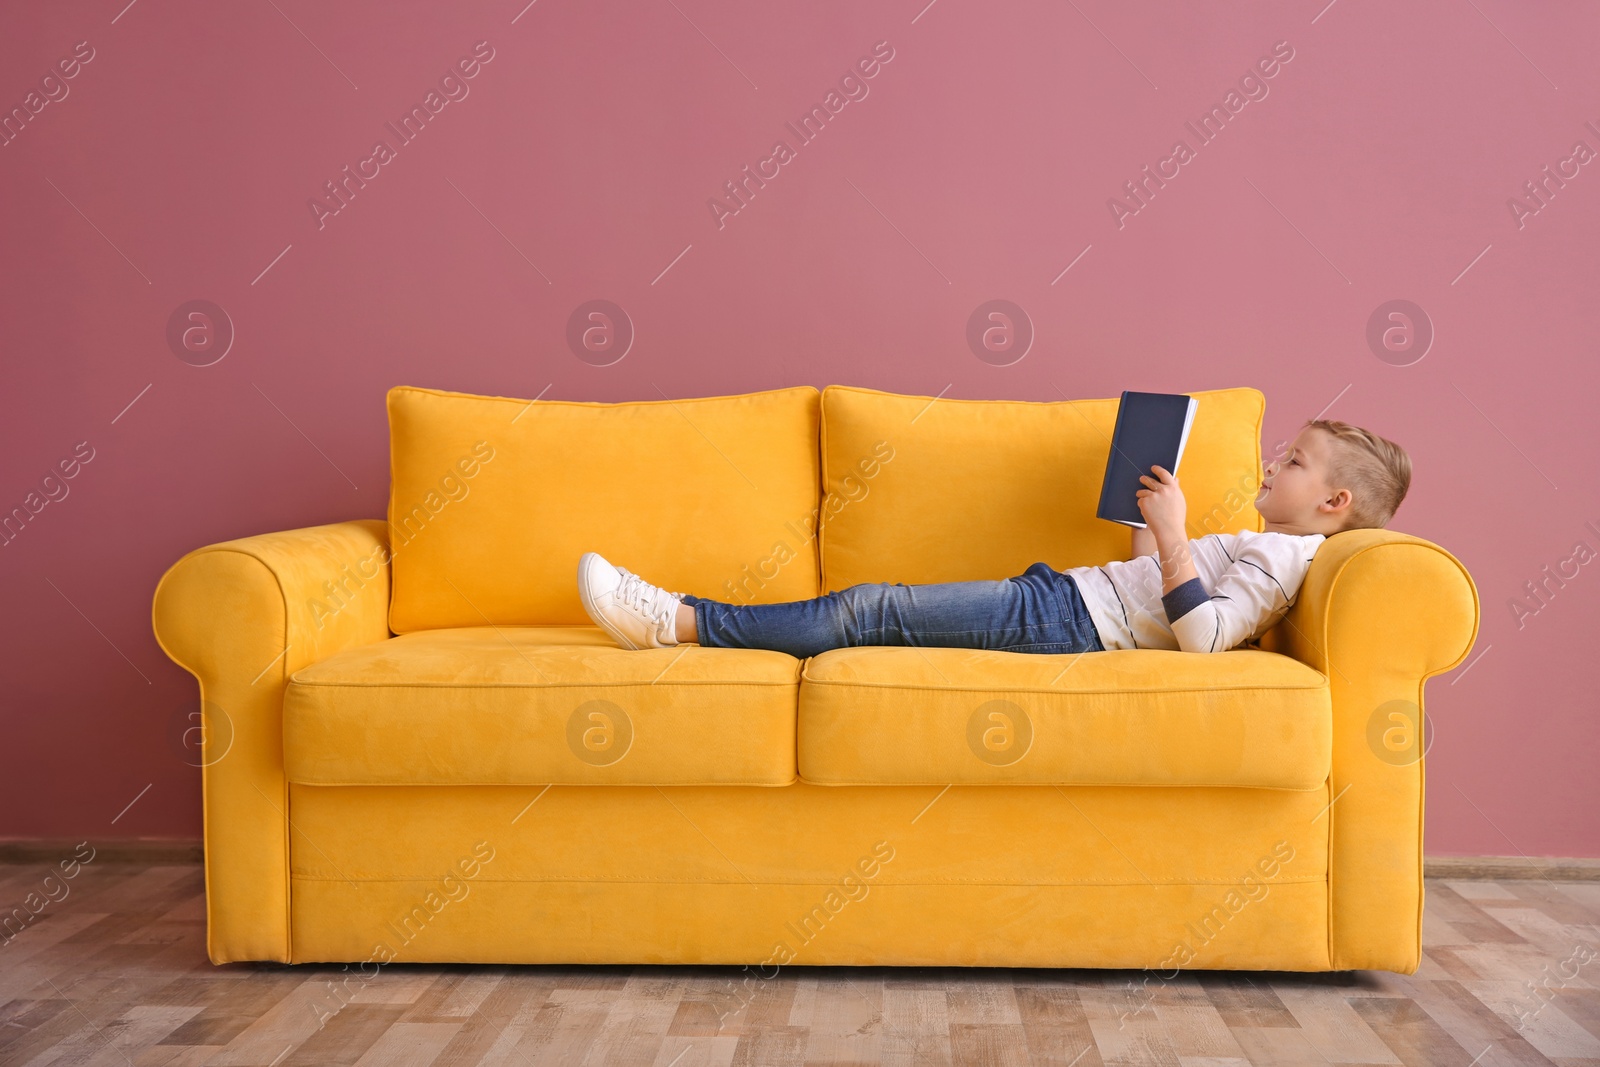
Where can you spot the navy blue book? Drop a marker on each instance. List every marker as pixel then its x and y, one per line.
pixel 1152 429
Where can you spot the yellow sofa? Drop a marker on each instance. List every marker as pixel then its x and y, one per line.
pixel 418 748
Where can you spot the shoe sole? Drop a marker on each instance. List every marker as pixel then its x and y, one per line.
pixel 595 614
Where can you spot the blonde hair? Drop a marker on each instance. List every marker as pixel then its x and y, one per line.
pixel 1375 470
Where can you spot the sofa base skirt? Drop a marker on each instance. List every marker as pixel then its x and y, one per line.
pixel 899 926
pixel 982 876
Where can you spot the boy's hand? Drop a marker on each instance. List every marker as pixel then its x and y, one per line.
pixel 1161 502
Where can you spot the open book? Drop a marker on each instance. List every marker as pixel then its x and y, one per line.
pixel 1152 429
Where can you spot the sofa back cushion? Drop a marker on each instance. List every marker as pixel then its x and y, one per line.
pixel 493 500
pixel 918 489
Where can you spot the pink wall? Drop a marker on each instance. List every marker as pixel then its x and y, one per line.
pixel 978 166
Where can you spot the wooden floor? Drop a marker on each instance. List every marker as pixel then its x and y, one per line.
pixel 116 974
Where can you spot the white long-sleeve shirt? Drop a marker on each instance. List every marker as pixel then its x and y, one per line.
pixel 1247 583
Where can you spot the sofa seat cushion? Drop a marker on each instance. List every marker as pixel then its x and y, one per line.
pixel 938 716
pixel 540 705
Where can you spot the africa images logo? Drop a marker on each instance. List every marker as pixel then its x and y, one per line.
pixel 453 85
pixel 999 733
pixel 852 87
pixel 1252 87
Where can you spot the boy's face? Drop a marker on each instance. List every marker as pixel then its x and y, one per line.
pixel 1292 489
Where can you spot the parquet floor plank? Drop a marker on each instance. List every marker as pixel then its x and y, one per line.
pixel 115 973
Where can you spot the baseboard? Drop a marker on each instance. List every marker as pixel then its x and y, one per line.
pixel 170 850
pixel 151 850
pixel 1511 868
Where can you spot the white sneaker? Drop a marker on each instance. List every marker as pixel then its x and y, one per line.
pixel 635 613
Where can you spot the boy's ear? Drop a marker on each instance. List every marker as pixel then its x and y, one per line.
pixel 1339 501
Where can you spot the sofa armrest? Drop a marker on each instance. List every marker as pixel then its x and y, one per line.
pixel 242 616
pixel 1379 613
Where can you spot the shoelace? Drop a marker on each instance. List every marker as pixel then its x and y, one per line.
pixel 632 592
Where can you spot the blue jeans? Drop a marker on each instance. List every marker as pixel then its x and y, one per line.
pixel 1039 611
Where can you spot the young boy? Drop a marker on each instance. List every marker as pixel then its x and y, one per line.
pixel 1206 595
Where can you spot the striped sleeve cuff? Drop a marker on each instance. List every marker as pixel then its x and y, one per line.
pixel 1184 599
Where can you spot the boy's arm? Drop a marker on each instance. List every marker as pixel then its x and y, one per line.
pixel 1144 542
pixel 1251 594
pixel 1177 566
pixel 1162 505
pixel 1183 596
pixel 1197 621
